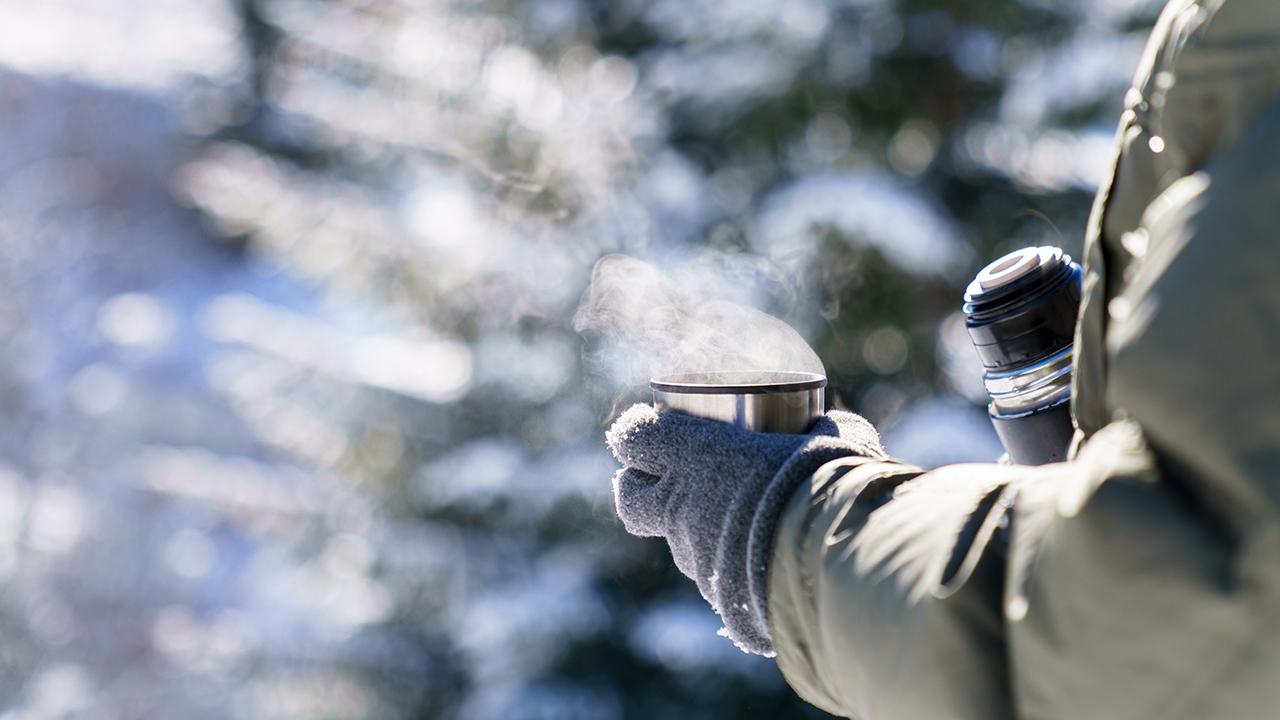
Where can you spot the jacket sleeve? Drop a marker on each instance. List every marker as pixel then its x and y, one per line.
pixel 885 591
pixel 1091 588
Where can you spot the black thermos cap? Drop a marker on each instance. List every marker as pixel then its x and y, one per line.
pixel 1022 308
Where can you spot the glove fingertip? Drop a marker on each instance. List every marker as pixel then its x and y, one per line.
pixel 826 425
pixel 844 418
pixel 639 502
pixel 855 428
pixel 639 438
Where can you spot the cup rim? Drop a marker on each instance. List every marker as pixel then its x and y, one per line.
pixel 738 383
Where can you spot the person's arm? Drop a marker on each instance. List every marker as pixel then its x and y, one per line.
pixel 1137 580
pixel 1141 579
pixel 901 596
pixel 885 591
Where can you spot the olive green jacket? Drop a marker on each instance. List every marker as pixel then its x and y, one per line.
pixel 1141 579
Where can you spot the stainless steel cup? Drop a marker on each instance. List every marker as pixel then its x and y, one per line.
pixel 776 402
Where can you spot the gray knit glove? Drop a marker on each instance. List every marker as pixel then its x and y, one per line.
pixel 716 492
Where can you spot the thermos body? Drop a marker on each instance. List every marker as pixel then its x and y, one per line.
pixel 1020 312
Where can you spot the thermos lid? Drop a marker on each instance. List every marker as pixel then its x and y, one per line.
pixel 1022 307
pixel 1012 267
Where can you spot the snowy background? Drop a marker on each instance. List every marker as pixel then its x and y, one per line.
pixel 296 424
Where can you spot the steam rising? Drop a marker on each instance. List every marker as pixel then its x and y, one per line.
pixel 652 325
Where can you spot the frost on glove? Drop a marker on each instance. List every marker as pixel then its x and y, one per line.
pixel 715 492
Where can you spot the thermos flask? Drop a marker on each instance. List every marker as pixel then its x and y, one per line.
pixel 1020 312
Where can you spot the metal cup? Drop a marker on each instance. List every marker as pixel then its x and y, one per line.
pixel 773 402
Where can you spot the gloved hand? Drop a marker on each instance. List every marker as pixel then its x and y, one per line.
pixel 715 492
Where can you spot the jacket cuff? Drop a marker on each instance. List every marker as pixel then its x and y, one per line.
pixel 799 468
